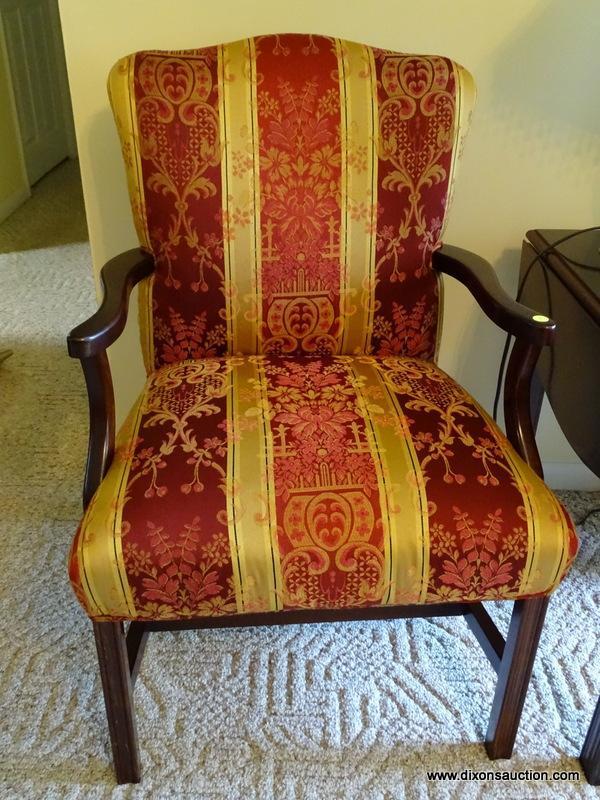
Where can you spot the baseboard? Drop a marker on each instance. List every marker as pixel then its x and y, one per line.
pixel 570 475
pixel 13 201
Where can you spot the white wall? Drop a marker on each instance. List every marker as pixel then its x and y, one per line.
pixel 532 158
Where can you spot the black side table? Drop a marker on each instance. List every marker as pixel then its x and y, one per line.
pixel 566 289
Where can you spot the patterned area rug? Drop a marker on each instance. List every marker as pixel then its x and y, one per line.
pixel 360 710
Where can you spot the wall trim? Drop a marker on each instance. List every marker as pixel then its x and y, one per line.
pixel 13 201
pixel 570 475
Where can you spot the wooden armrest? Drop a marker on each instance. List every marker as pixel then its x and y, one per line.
pixel 481 280
pixel 118 276
pixel 89 342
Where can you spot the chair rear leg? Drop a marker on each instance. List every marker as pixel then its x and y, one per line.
pixel 118 698
pixel 513 677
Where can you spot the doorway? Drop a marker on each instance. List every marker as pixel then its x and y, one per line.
pixel 36 102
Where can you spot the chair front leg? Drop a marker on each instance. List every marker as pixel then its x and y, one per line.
pixel 513 677
pixel 118 698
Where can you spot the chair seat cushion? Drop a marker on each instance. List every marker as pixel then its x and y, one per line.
pixel 264 483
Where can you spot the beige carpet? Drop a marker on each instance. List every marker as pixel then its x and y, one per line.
pixel 333 711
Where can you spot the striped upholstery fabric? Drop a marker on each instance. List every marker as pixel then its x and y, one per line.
pixel 295 445
pixel 292 189
pixel 266 483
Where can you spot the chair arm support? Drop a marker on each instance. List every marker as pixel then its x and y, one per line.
pixel 118 276
pixel 89 342
pixel 481 280
pixel 101 440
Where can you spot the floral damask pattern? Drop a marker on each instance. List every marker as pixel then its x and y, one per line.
pixel 334 212
pixel 387 485
pixel 417 135
pixel 178 559
pixel 300 178
pixel 180 154
pixel 295 446
pixel 479 534
pixel 329 532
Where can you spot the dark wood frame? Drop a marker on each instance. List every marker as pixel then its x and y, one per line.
pixel 120 652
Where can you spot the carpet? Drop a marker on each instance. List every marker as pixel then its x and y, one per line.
pixel 360 710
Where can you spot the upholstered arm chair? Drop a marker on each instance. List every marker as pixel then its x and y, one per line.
pixel 296 454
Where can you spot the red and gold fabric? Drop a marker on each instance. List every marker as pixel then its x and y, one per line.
pixel 265 483
pixel 292 189
pixel 295 445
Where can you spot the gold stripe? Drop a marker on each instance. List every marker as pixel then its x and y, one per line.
pixel 464 102
pixel 268 481
pixel 101 564
pixel 465 98
pixel 358 97
pixel 121 91
pixel 225 173
pixel 344 293
pixel 401 489
pixel 440 316
pixel 548 543
pixel 233 488
pixel 254 313
pixel 250 493
pixel 547 531
pixel 239 191
pixel 560 564
pixel 361 376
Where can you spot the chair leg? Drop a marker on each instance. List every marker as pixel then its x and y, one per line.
pixel 513 677
pixel 118 698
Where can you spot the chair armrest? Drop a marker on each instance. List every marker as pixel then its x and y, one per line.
pixel 89 342
pixel 481 280
pixel 118 276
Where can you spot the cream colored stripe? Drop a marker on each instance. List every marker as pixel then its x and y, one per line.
pixel 251 493
pixel 100 553
pixel 547 532
pixel 358 96
pixel 401 488
pixel 239 177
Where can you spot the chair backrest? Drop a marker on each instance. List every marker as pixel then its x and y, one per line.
pixel 292 189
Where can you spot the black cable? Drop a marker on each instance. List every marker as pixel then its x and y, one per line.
pixel 538 257
pixel 580 264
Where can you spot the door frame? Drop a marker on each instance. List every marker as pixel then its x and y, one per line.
pixel 23 193
pixel 19 197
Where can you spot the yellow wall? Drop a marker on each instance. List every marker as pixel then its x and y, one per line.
pixel 532 158
pixel 14 187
